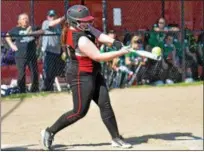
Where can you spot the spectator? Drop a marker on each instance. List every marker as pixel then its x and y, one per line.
pixel 157 34
pixel 111 70
pixel 201 53
pixel 169 55
pixel 137 44
pixel 173 27
pixel 127 39
pixel 52 49
pixel 169 50
pixel 161 26
pixel 107 66
pixel 131 59
pixel 25 51
pixel 121 72
pixel 192 54
pixel 191 61
pixel 190 48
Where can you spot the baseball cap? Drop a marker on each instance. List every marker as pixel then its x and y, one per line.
pixel 51 13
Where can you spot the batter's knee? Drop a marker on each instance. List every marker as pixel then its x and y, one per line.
pixel 80 113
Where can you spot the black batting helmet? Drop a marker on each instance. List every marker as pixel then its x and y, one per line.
pixel 78 13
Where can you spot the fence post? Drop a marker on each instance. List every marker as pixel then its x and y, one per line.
pixel 82 2
pixel 182 41
pixel 66 5
pixel 203 16
pixel 32 12
pixel 163 8
pixel 104 18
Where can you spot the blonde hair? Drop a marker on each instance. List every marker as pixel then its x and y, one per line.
pixel 19 17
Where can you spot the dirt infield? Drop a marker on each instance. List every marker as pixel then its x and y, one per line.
pixel 169 118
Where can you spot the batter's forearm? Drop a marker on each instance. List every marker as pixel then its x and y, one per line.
pixel 101 37
pixel 108 56
pixel 105 39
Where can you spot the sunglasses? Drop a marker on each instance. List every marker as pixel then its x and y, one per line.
pixel 161 23
pixel 138 41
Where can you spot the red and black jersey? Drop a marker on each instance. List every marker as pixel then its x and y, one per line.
pixel 84 63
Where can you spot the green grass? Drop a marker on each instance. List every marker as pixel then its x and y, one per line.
pixel 182 84
pixel 26 95
pixel 44 94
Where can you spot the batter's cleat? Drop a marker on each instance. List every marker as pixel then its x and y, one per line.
pixel 46 139
pixel 119 142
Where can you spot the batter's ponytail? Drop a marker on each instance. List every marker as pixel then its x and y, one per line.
pixel 64 34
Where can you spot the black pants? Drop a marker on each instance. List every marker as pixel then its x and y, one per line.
pixel 21 64
pixel 86 87
pixel 53 64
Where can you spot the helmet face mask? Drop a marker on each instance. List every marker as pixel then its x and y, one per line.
pixel 84 26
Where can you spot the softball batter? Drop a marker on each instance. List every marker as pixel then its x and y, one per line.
pixel 83 74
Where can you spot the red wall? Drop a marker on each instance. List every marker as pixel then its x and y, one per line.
pixel 193 13
pixel 42 7
pixel 96 11
pixel 10 11
pixel 135 14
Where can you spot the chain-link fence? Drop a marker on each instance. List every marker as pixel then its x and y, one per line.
pixel 179 35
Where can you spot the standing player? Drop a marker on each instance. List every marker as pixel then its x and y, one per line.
pixel 84 76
